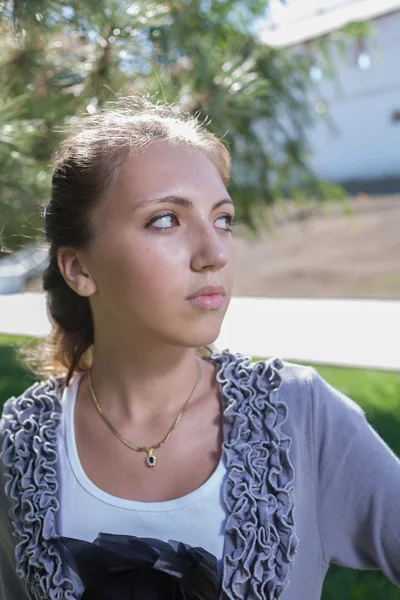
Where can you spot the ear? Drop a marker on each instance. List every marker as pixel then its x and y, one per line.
pixel 75 272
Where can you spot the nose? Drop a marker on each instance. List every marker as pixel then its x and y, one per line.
pixel 211 248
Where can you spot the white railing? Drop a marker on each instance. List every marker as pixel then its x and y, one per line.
pixel 363 333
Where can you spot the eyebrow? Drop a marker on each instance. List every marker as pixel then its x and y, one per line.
pixel 180 201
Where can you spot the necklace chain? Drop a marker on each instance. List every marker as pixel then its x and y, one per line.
pixel 151 459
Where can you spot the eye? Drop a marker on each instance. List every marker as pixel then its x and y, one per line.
pixel 230 221
pixel 164 221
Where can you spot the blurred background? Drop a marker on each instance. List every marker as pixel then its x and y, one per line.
pixel 307 95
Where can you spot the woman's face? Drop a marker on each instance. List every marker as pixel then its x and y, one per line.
pixel 163 233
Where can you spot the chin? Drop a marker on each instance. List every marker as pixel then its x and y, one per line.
pixel 197 337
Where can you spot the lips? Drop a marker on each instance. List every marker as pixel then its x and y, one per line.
pixel 208 297
pixel 208 290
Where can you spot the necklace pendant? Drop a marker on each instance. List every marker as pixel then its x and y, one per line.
pixel 151 459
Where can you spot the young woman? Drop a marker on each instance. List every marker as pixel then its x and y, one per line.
pixel 148 466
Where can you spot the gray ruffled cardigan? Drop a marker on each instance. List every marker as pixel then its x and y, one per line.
pixel 309 483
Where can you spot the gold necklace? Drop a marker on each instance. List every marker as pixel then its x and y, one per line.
pixel 151 459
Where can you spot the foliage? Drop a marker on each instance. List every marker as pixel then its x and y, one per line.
pixel 63 58
pixel 18 137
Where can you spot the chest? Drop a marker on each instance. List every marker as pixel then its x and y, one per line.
pixel 184 463
pixel 197 519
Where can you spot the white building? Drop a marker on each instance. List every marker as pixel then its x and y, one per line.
pixel 363 99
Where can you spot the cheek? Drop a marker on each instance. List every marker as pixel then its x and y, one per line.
pixel 143 269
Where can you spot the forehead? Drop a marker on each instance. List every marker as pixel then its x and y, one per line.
pixel 165 167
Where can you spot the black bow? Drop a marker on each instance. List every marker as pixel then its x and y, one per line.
pixel 122 567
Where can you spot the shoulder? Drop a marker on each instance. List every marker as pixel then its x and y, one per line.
pixel 241 369
pixel 303 389
pixel 272 383
pixel 38 395
pixel 23 416
pixel 294 382
pixel 293 377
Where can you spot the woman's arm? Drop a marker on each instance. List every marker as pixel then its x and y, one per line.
pixel 357 486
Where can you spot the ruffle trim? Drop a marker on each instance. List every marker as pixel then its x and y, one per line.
pixel 260 542
pixel 28 450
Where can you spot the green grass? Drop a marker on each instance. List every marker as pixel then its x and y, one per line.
pixel 378 392
pixel 14 377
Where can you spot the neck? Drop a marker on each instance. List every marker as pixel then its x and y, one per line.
pixel 138 382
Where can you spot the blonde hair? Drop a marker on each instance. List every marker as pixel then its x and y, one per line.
pixel 86 166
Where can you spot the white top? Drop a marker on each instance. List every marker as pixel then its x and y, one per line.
pixel 197 519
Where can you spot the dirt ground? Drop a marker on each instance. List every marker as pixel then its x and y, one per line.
pixel 330 254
